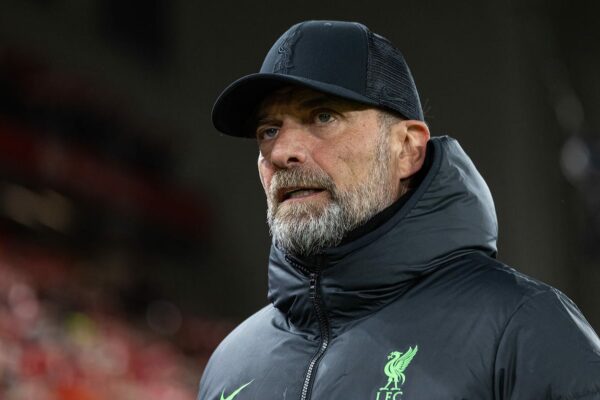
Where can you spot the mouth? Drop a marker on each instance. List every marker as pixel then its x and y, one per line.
pixel 295 193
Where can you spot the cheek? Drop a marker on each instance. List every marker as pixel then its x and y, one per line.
pixel 352 161
pixel 265 174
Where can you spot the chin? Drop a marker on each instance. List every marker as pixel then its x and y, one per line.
pixel 290 211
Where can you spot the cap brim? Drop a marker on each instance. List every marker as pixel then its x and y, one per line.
pixel 234 109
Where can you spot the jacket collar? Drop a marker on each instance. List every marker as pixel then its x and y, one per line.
pixel 449 214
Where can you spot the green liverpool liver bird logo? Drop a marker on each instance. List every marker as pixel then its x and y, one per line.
pixel 394 369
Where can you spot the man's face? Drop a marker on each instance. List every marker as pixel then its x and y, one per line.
pixel 325 166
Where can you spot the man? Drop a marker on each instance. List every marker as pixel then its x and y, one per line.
pixel 383 281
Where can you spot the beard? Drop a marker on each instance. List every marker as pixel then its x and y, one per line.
pixel 308 227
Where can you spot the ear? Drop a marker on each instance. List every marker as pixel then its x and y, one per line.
pixel 410 139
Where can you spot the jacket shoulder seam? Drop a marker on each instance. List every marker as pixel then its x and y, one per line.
pixel 527 298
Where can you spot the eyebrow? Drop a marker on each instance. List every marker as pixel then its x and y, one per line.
pixel 319 101
pixel 266 120
pixel 314 102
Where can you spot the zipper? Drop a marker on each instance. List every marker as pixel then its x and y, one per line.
pixel 319 308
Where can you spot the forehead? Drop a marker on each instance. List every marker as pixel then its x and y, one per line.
pixel 297 99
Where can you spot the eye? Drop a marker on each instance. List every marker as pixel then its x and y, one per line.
pixel 267 133
pixel 324 117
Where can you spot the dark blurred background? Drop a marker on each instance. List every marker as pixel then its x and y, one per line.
pixel 132 234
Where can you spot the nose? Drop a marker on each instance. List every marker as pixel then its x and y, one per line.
pixel 290 147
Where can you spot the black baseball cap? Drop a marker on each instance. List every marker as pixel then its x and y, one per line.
pixel 344 59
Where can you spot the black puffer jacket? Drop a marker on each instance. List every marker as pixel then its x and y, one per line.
pixel 417 309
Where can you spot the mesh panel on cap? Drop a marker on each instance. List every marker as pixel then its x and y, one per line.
pixel 389 80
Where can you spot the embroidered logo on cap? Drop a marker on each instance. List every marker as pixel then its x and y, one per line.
pixel 285 51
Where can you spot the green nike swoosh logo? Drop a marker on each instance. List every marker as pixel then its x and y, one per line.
pixel 232 395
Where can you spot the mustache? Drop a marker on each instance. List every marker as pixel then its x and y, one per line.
pixel 300 177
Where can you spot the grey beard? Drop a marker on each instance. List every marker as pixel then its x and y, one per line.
pixel 307 229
